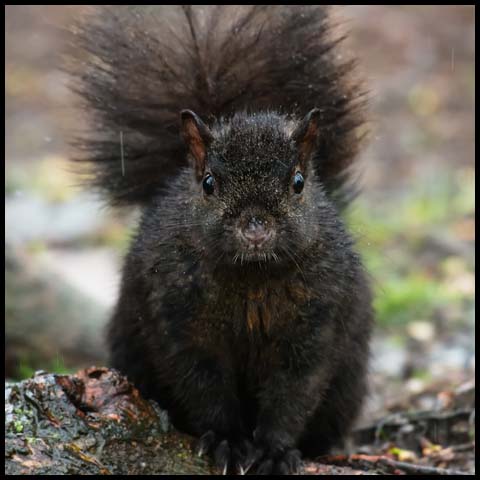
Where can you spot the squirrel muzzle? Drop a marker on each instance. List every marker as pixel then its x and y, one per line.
pixel 256 233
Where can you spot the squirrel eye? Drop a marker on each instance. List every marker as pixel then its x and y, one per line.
pixel 298 182
pixel 208 184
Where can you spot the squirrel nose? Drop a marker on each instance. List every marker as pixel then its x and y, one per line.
pixel 256 231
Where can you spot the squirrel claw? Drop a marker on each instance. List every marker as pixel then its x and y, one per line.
pixel 205 443
pixel 239 455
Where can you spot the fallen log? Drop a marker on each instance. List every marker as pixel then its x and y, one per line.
pixel 95 422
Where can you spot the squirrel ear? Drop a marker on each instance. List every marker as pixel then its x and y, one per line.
pixel 197 136
pixel 306 136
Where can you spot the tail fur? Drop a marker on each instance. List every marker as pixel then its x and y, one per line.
pixel 137 67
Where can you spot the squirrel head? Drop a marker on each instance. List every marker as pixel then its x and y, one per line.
pixel 255 196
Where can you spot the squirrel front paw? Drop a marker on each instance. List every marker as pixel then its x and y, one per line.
pixel 277 456
pixel 286 462
pixel 230 455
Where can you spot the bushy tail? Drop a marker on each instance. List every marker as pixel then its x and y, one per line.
pixel 137 67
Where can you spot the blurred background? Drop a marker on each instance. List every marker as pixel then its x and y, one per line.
pixel 414 221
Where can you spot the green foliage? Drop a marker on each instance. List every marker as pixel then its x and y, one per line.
pixel 404 299
pixel 412 276
pixel 57 365
pixel 24 370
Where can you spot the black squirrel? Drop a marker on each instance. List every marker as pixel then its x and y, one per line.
pixel 244 309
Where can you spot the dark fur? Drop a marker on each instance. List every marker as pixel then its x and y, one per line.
pixel 268 351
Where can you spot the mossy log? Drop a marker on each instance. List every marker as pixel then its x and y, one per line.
pixel 96 422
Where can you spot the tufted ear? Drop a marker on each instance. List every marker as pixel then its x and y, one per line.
pixel 306 136
pixel 198 137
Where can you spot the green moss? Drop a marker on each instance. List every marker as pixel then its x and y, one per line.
pixel 18 425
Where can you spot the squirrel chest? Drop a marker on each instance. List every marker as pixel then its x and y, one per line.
pixel 232 311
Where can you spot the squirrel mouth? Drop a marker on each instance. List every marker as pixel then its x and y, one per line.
pixel 257 256
pixel 256 239
pixel 255 247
